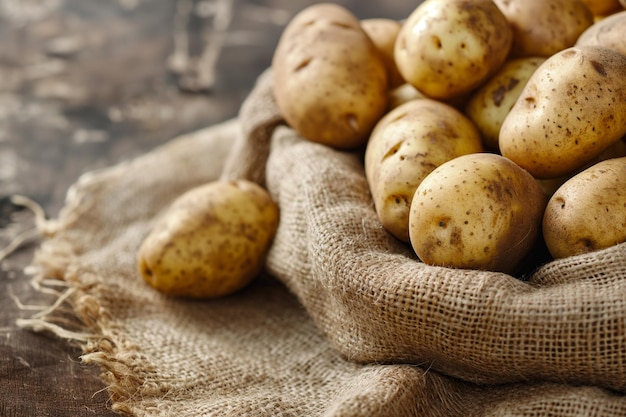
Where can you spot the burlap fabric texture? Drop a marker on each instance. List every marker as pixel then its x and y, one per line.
pixel 346 321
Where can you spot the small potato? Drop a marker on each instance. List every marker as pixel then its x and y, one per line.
pixel 477 211
pixel 211 242
pixel 545 27
pixel 402 94
pixel 572 109
pixel 383 32
pixel 588 212
pixel 330 81
pixel 405 146
pixel 609 32
pixel 491 103
pixel 446 48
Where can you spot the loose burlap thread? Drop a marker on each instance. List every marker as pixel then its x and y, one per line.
pixel 345 321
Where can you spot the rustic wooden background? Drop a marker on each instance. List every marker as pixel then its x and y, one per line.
pixel 85 84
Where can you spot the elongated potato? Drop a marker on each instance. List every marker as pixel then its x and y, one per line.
pixel 572 109
pixel 211 241
pixel 405 146
pixel 330 81
pixel 588 212
pixel 491 103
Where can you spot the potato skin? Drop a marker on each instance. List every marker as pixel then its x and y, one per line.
pixel 383 32
pixel 478 211
pixel 602 7
pixel 401 94
pixel 572 109
pixel 545 27
pixel 211 241
pixel 330 81
pixel 405 146
pixel 489 105
pixel 446 48
pixel 609 32
pixel 588 212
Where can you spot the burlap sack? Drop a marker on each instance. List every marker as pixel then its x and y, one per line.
pixel 346 322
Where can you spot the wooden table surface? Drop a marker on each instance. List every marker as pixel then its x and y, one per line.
pixel 85 84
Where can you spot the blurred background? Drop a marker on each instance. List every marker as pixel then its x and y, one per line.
pixel 85 84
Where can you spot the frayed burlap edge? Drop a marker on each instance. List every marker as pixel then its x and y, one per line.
pixel 92 329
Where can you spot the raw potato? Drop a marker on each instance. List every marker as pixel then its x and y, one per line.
pixel 572 109
pixel 405 146
pixel 211 242
pixel 402 94
pixel 588 212
pixel 330 81
pixel 545 27
pixel 551 185
pixel 383 32
pixel 477 211
pixel 602 7
pixel 448 47
pixel 491 103
pixel 609 32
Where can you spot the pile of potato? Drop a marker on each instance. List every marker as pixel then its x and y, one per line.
pixel 487 125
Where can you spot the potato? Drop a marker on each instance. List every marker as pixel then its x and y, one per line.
pixel 477 211
pixel 383 32
pixel 330 81
pixel 551 185
pixel 491 103
pixel 402 94
pixel 211 241
pixel 602 7
pixel 407 144
pixel 572 108
pixel 588 212
pixel 446 48
pixel 609 32
pixel 545 27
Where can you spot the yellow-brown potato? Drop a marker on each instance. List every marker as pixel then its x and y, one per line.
pixel 609 32
pixel 383 32
pixel 572 109
pixel 490 104
pixel 617 150
pixel 402 94
pixel 211 241
pixel 446 48
pixel 406 145
pixel 602 7
pixel 330 81
pixel 588 212
pixel 545 27
pixel 477 211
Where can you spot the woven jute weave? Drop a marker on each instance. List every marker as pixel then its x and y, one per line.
pixel 344 321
